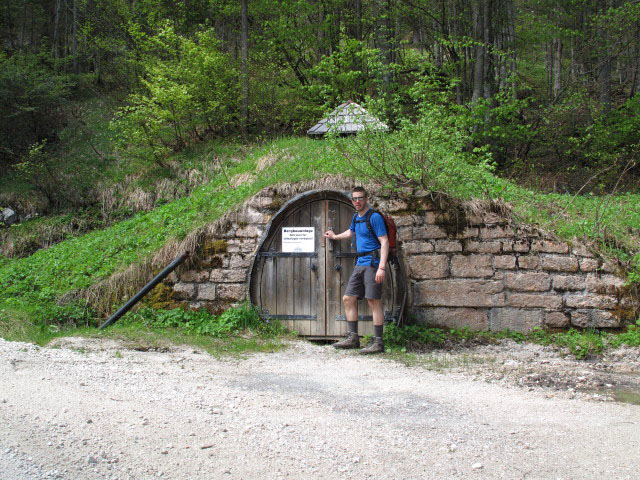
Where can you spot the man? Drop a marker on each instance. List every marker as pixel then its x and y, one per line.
pixel 368 275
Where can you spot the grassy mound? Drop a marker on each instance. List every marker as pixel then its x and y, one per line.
pixel 31 287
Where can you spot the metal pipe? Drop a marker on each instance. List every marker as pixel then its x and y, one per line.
pixel 146 289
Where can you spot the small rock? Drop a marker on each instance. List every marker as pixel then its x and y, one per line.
pixel 477 466
pixel 89 420
pixel 91 459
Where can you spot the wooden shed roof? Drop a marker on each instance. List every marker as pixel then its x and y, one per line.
pixel 347 118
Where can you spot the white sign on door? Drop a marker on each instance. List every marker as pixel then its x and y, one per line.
pixel 298 239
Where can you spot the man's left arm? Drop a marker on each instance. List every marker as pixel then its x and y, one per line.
pixel 384 253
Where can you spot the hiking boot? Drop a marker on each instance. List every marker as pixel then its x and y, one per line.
pixel 376 346
pixel 352 341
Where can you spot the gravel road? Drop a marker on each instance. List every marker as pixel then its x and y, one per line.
pixel 91 409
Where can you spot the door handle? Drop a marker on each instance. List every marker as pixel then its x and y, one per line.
pixel 338 267
pixel 313 267
pixel 330 247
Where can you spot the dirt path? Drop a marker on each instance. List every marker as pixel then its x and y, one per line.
pixel 98 411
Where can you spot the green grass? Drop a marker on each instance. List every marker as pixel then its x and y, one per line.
pixel 237 331
pixel 581 344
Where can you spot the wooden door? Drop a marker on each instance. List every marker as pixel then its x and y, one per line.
pixel 291 284
pixel 304 289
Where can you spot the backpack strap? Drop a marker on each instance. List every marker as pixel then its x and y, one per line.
pixel 367 219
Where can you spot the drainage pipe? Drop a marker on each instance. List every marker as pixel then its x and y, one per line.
pixel 146 289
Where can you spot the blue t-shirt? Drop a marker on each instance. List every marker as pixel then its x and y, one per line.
pixel 365 242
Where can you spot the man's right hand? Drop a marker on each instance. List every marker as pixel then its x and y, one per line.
pixel 330 234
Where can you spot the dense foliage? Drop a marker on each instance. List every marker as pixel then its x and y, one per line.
pixel 552 85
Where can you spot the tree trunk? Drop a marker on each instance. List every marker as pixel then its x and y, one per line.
pixel 244 45
pixel 56 24
pixel 604 63
pixel 557 66
pixel 74 46
pixel 479 51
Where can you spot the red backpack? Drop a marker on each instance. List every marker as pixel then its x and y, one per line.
pixel 392 232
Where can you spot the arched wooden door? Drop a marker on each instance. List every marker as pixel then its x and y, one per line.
pixel 299 276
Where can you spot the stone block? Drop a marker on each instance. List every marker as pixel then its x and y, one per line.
pixel 485 218
pixel 411 248
pixel 529 262
pixel 604 283
pixel 528 281
pixel 568 282
pixel 231 291
pixel 609 267
pixel 594 319
pixel 590 300
pixel 528 300
pixel 241 246
pixel 206 291
pixel 472 266
pixel 395 205
pixel 496 232
pixel 580 319
pixel 253 215
pixel 604 319
pixel 556 320
pixel 197 276
pixel 448 246
pixel 428 218
pixel 184 291
pixel 515 319
pixel 428 266
pixel 428 232
pixel 521 246
pixel 172 278
pixel 406 234
pixel 557 263
pixel 468 232
pixel 459 293
pixel 581 250
pixel 261 202
pixel 219 275
pixel 482 247
pixel 239 261
pixel 507 246
pixel 589 264
pixel 248 231
pixel 473 318
pixel 407 220
pixel 548 246
pixel 504 262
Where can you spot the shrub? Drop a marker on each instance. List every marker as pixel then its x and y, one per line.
pixel 190 92
pixel 431 153
pixel 233 320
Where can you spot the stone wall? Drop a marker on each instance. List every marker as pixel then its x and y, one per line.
pixel 480 271
pixel 221 273
pixel 464 268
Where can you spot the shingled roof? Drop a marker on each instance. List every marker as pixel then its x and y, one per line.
pixel 347 118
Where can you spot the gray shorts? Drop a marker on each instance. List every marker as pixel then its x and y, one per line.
pixel 362 283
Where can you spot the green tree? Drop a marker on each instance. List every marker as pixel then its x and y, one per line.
pixel 190 92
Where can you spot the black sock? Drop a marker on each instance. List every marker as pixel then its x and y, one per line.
pixel 377 330
pixel 352 327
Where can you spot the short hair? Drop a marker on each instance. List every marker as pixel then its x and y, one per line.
pixel 361 190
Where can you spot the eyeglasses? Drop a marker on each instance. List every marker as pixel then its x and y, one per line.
pixel 357 199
